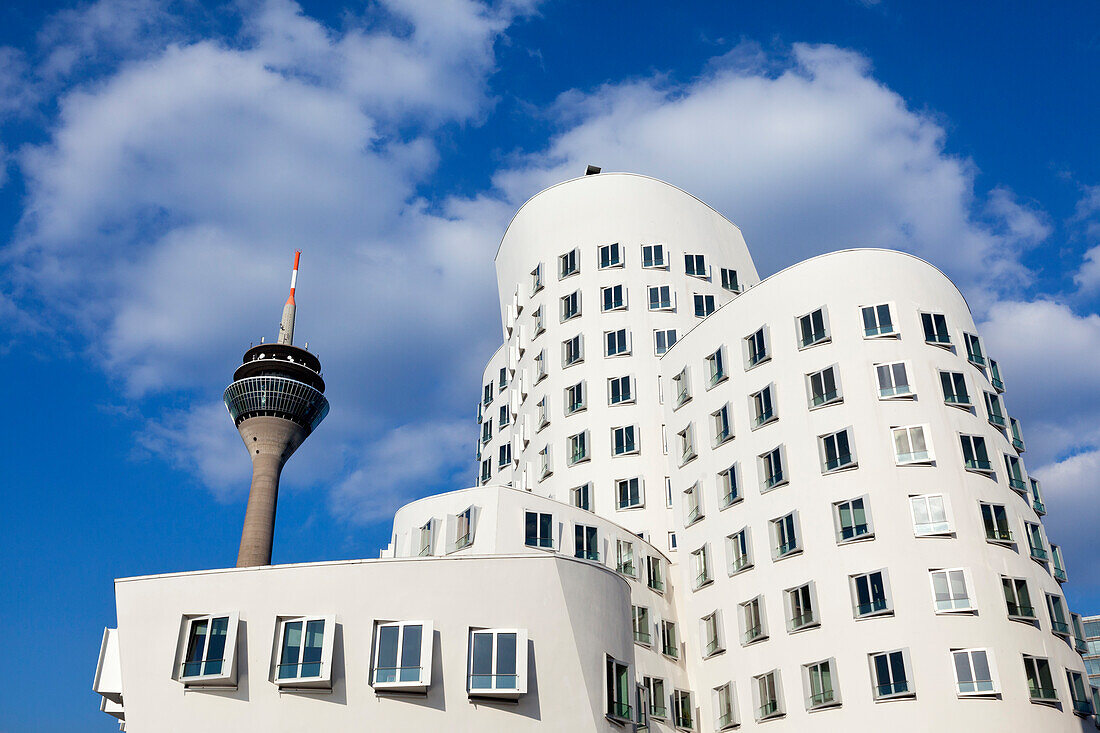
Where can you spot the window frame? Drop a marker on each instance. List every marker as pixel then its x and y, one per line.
pixel 833 700
pixel 570 306
pixel 868 522
pixel 753 355
pixel 633 448
pixel 876 685
pixel 424 681
pixel 226 676
pixel 760 417
pixel 887 595
pixel 631 397
pixel 615 709
pixel 943 340
pixel 940 606
pixel 733 551
pixel 774 707
pixel 1012 581
pixel 803 621
pixel 658 334
pixel 929 456
pixel 837 392
pixel 654 264
pixel 323 679
pixel 824 337
pixel 521 662
pixel 619 482
pixel 910 394
pixel 794 546
pixel 730 281
pixel 620 305
pixel 948 517
pixel 823 451
pixel 893 333
pixel 778 479
pixel 752 611
pixel 729 485
pixel 693 271
pixel 625 348
pixel 572 260
pixel 616 256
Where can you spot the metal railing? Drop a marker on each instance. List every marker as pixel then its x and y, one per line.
pixel 767 710
pixel 1020 610
pixel 900 687
pixel 621 710
pixel 275 396
pixel 1044 693
pixel 702 579
pixel 712 646
pixel 786 548
pixel 387 675
pixel 490 682
pixel 821 698
pixel 873 606
pixel 813 338
pixel 839 462
pixel 303 670
pixel 643 637
pixel 546 543
pixel 763 417
pixel 998 535
pixel 752 634
pixel 200 668
pixel 804 619
pixel 821 399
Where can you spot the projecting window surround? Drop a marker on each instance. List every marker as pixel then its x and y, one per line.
pixel 538 530
pixel 823 387
pixel 995 376
pixel 662 298
pixel 426 538
pixel 871 594
pixel 974 351
pixel 772 466
pixel 570 306
pixel 576 398
pixel 620 687
pixel 630 493
pixel 655 574
pixel 546 464
pixel 1018 599
pixel 911 445
pixel 460 529
pixel 725 707
pixel 540 366
pixel 1039 681
pixel 729 492
pixel 568 264
pixel 954 390
pixel 712 634
pixel 304 651
pixel 995 411
pixel 655 694
pixel 683 710
pixel 729 280
pixel 497 663
pixel 505 416
pixel 586 544
pixel 722 425
pixel 893 381
pixel 820 684
pixel 975 455
pixel 504 458
pixel 663 339
pixel 931 515
pixel 402 658
pixel 716 367
pixel 852 519
pixel 536 279
pixel 889 675
pixel 757 347
pixel 624 558
pixel 801 610
pixel 611 255
pixel 878 322
pixel 950 592
pixel 935 329
pixel 653 256
pixel 786 536
pixel 1059 624
pixel 617 342
pixel 612 298
pixel 768 696
pixel 687 444
pixel 739 551
pixel 753 621
pixel 813 328
pixel 681 386
pixel 696 266
pixel 693 505
pixel 624 441
pixel 581 497
pixel 208 656
pixel 540 322
pixel 542 417
pixel 837 451
pixel 578 448
pixel 973 672
pixel 1035 542
pixel 700 568
pixel 1081 704
pixel 620 390
pixel 704 305
pixel 572 351
pixel 995 521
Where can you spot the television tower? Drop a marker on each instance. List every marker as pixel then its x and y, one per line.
pixel 276 400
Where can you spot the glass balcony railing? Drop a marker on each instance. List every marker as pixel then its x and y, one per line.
pixel 1043 693
pixel 1059 575
pixel 770 482
pixel 998 535
pixel 1059 627
pixel 619 710
pixel 752 634
pixel 1082 707
pixel 821 399
pixel 1018 484
pixel 764 417
pixel 900 687
pixel 825 697
pixel 785 549
pixel 813 338
pixel 767 710
pixel 1038 553
pixel 739 563
pixel 729 498
pixel 1039 506
pixel 712 647
pixel 876 605
pixel 975 464
pixel 1020 610
pixel 802 620
pixel 838 462
pixel 643 637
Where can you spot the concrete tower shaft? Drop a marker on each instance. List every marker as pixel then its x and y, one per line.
pixel 276 400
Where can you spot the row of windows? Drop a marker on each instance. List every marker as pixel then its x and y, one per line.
pixel 613 255
pixel 615 298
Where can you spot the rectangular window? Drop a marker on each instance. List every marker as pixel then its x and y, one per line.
pixel 786 537
pixel 304 652
pixel 660 298
pixel 687 444
pixel 889 674
pixel 1039 682
pixel 772 474
pixel 503 380
pixel 949 590
pixel 620 391
pixel 402 655
pixel 693 506
pixel 669 646
pixel 853 520
pixel 653 255
pixel 623 441
pixel 567 264
pixel 975 456
pixel 753 626
pixel 542 418
pixel 728 492
pixel 994 410
pixel 720 421
pixel 487 430
pixel 837 451
pixel 546 466
pixel 935 328
pixel 769 702
pixel 581 497
pixel 973 675
pixel 624 557
pixel 486 470
pixel 540 366
pixel 995 376
pixel 700 567
pixel 655 693
pixel 504 455
pixel 713 641
pixel 801 607
pixel 617 342
pixel 464 529
pixel 578 448
pixel 575 398
pixel 505 416
pixel 585 542
pixel 211 643
pixel 812 329
pixel 487 392
pixel 763 407
pixel 695 265
pixel 1057 609
pixel 739 551
pixel 681 385
pixel 974 350
pixel 611 255
pixel 1015 474
pixel 877 321
pixel 1058 567
pixel 871 594
pixel 426 537
pixel 1035 542
pixel 756 347
pixel 954 389
pixel 540 321
pixel 572 351
pixel 629 491
pixel 929 515
pixel 536 279
pixel 821 689
pixel 655 578
pixel 1018 599
pixel 716 367
pixel 663 340
pixel 704 305
pixel 725 709
pixel 910 445
pixel 1017 436
pixel 612 298
pixel 729 280
pixel 682 709
pixel 619 687
pixel 1081 703
pixel 640 623
pixel 893 381
pixel 498 662
pixel 672 542
pixel 823 387
pixel 995 521
pixel 571 305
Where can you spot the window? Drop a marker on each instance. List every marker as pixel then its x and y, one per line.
pixel 763 407
pixel 1081 703
pixel 546 466
pixel 1039 682
pixel 505 455
pixel 653 255
pixel 687 444
pixel 1079 641
pixel 973 675
pixel 853 520
pixel 1015 474
pixel 728 493
pixel 620 391
pixel 536 279
pixel 540 366
pixel 716 367
pixel 725 709
pixel 893 381
pixel 877 321
pixel 801 607
pixel 578 448
pixel 949 590
pixel 575 398
pixel 823 388
pixel 720 420
pixel 994 410
pixel 498 662
pixel 571 305
pixel 739 551
pixel 820 687
pixel 1037 497
pixel 402 655
pixel 486 470
pixel 787 540
pixel 756 347
pixel 542 418
pixel 463 535
pixel 812 329
pixel 889 676
pixel 1035 542
pixel 612 298
pixel 611 255
pixel 669 646
pixel 910 446
pixel 682 708
pixel 655 574
pixel 693 507
pixel 935 328
pixel 672 542
pixel 585 543
pixel 572 351
pixel 1017 436
pixel 668 486
pixel 995 521
pixel 975 456
pixel 655 693
pixel 682 386
pixel 617 342
pixel 712 637
pixel 768 699
pixel 629 491
pixel 954 389
pixel 581 497
pixel 487 397
pixel 700 566
pixel 1018 599
pixel 995 376
pixel 305 651
pixel 663 340
pixel 505 416
pixel 871 594
pixel 729 280
pixel 1058 567
pixel 208 657
pixel 539 530
pixel 487 430
pixel 1057 609
pixel 660 298
pixel 753 621
pixel 619 687
pixel 623 442
pixel 704 305
pixel 837 451
pixel 929 515
pixel 974 350
pixel 624 557
pixel 426 535
pixel 772 474
pixel 695 265
pixel 567 264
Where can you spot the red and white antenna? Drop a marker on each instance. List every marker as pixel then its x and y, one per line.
pixel 286 327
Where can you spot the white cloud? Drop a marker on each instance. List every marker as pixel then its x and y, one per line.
pixel 1086 219
pixel 1070 493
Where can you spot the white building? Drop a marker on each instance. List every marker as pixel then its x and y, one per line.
pixel 704 502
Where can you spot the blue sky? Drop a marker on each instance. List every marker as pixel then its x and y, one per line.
pixel 160 161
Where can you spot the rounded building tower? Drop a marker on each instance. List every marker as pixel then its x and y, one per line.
pixel 276 400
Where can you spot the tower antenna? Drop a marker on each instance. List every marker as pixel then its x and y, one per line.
pixel 286 327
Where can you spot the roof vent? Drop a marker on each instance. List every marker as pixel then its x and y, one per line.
pixel 592 170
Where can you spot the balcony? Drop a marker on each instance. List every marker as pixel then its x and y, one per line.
pixel 753 634
pixel 802 621
pixel 1039 507
pixel 1038 553
pixel 769 709
pixel 1059 575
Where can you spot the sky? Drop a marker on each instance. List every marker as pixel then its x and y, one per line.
pixel 160 161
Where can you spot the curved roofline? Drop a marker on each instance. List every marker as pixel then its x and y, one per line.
pixel 800 263
pixel 610 173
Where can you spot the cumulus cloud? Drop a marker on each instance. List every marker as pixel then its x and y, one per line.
pixel 1086 219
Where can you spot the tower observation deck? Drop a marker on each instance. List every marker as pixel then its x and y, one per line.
pixel 276 400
